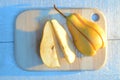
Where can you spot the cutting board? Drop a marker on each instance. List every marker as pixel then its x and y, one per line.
pixel 28 32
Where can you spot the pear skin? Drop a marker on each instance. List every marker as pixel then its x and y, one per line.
pixel 80 41
pixel 88 36
pixel 95 27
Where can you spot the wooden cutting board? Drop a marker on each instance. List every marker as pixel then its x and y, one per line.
pixel 28 32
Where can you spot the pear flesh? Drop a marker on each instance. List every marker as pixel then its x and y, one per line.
pixel 49 47
pixel 54 37
pixel 64 40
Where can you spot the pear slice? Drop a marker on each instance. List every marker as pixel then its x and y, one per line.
pixel 49 47
pixel 64 40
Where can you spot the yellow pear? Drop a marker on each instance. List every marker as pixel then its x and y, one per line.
pixel 49 47
pixel 80 41
pixel 88 36
pixel 64 40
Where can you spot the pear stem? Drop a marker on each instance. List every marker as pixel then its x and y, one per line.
pixel 59 11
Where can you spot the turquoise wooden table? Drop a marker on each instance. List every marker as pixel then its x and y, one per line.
pixel 9 9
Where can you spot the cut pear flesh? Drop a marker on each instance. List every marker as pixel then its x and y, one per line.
pixel 49 47
pixel 64 40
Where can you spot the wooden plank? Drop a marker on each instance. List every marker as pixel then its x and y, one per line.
pixel 113 62
pixel 110 8
pixel 9 67
pixel 8 16
pixel 29 26
pixel 63 77
pixel 6 55
pixel 8 62
pixel 6 33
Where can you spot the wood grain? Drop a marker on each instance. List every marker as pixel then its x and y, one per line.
pixel 29 26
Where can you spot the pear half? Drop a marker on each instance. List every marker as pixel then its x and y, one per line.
pixel 88 36
pixel 49 47
pixel 64 40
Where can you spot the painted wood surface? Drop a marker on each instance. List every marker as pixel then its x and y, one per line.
pixel 110 70
pixel 109 8
pixel 8 67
